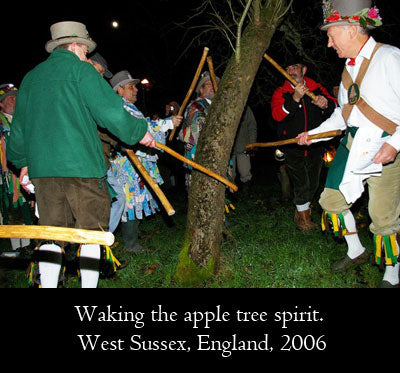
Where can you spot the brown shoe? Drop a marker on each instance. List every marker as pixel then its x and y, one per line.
pixel 303 220
pixel 343 265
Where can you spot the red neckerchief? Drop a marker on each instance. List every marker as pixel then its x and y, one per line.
pixel 352 61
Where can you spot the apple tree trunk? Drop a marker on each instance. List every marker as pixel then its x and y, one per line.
pixel 199 258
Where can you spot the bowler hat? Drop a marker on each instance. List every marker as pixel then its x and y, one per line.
pixel 294 59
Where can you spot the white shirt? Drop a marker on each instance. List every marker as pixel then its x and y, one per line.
pixel 380 89
pixel 9 117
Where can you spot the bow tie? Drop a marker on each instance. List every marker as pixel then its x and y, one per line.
pixel 352 62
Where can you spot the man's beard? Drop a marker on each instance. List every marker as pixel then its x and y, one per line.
pixel 298 79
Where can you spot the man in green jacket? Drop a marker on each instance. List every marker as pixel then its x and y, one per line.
pixel 61 103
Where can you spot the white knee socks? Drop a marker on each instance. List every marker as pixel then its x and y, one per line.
pixel 49 265
pixel 304 207
pixel 89 265
pixel 392 274
pixel 354 245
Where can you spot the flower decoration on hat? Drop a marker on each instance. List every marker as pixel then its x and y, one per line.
pixel 7 90
pixel 327 8
pixel 365 17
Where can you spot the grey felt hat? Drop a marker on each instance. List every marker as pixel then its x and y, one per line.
pixel 350 12
pixel 97 57
pixel 121 79
pixel 69 32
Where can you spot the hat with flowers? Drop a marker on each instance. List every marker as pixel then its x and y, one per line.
pixel 350 12
pixel 7 90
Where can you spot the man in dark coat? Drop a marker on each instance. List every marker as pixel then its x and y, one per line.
pixel 295 112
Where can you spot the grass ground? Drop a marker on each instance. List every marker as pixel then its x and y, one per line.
pixel 265 249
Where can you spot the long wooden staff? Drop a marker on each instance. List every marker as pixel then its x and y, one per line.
pixel 294 140
pixel 286 75
pixel 41 232
pixel 197 166
pixel 157 190
pixel 212 73
pixel 192 87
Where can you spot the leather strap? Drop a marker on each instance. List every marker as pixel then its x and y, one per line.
pixel 378 119
pixel 371 114
pixel 351 233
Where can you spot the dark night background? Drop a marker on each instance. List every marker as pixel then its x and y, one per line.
pixel 146 42
pixel 152 42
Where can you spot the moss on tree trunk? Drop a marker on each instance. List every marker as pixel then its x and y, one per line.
pixel 200 256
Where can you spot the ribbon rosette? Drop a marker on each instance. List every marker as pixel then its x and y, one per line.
pixel 334 17
pixel 374 13
pixel 369 16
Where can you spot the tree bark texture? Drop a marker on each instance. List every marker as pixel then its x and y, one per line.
pixel 199 258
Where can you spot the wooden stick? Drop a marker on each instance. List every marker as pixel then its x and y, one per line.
pixel 192 87
pixel 197 166
pixel 294 140
pixel 170 210
pixel 212 73
pixel 41 232
pixel 286 75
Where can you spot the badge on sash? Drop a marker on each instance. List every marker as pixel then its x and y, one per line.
pixel 353 94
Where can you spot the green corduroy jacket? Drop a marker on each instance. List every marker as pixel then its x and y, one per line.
pixel 59 105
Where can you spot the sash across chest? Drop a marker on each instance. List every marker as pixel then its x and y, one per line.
pixel 355 99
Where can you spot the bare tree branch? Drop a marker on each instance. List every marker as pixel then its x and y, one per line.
pixel 239 30
pixel 232 11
